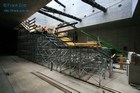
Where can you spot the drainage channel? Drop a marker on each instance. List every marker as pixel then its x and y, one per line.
pixel 64 88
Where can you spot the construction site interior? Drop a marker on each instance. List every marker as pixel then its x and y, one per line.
pixel 75 46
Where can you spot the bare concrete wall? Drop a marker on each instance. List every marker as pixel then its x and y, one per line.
pixel 128 36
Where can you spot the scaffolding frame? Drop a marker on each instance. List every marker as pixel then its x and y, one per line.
pixel 48 50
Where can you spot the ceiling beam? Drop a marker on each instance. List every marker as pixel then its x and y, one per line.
pixel 49 15
pixel 49 9
pixel 94 4
pixel 60 3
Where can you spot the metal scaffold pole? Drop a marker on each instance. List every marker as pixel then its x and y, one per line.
pixel 78 61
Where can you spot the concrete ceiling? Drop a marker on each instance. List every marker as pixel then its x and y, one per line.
pixel 11 19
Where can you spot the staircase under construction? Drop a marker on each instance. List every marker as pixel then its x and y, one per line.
pixel 80 60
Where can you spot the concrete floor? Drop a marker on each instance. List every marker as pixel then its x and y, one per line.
pixel 19 79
